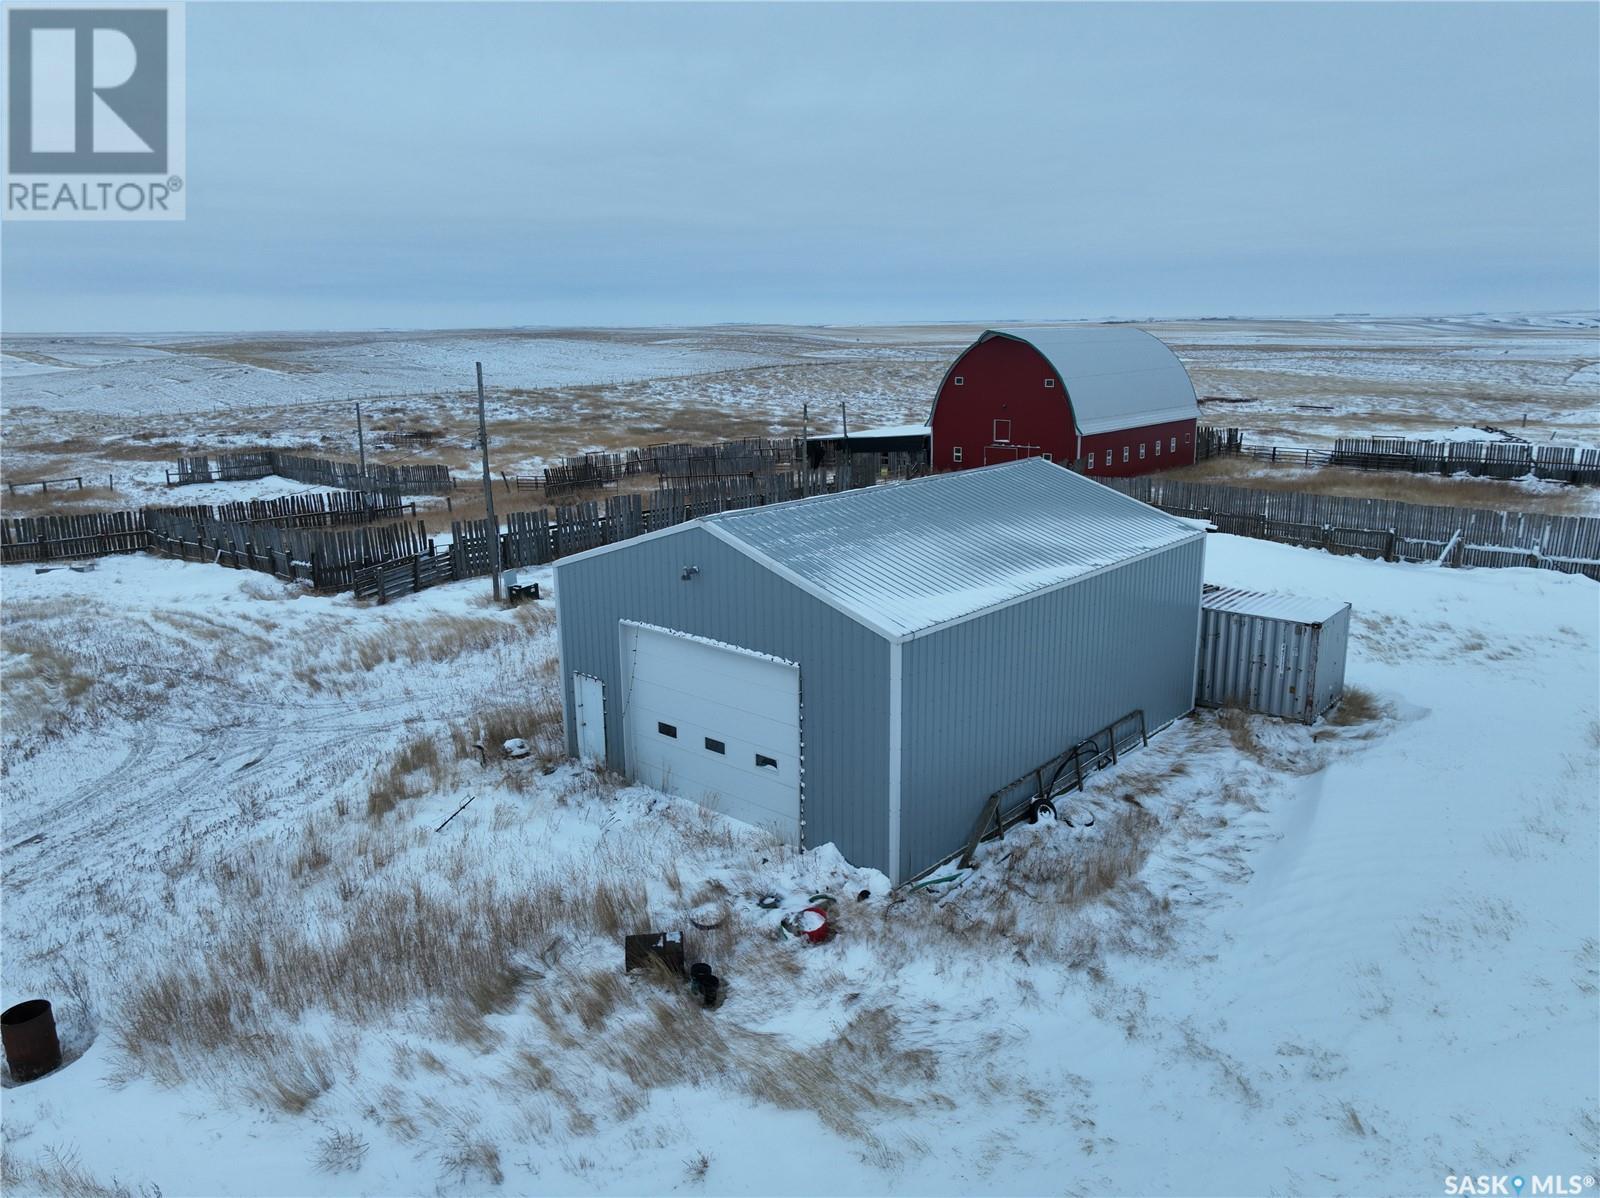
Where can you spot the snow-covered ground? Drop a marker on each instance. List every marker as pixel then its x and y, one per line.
pixel 158 375
pixel 1355 959
pixel 1310 381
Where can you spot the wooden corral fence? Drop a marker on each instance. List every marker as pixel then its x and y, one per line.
pixel 345 476
pixel 590 470
pixel 1485 459
pixel 1382 528
pixel 740 458
pixel 348 476
pixel 229 468
pixel 44 484
pixel 1287 455
pixel 96 534
pixel 537 537
pixel 54 538
pixel 319 510
pixel 1211 442
pixel 329 559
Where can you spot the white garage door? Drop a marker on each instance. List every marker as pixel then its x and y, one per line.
pixel 715 724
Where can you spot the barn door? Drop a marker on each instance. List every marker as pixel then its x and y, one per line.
pixel 590 707
pixel 1008 453
pixel 716 724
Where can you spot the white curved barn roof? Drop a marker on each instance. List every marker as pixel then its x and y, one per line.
pixel 1116 376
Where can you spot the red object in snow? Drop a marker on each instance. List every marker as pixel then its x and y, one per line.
pixel 813 924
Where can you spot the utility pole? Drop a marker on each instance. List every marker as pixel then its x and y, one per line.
pixel 361 441
pixel 844 427
pixel 805 448
pixel 488 491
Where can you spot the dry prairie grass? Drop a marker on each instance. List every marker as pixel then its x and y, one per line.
pixel 1045 892
pixel 537 721
pixel 341 1151
pixel 1241 728
pixel 1493 494
pixel 59 503
pixel 59 1174
pixel 439 638
pixel 1358 706
pixel 413 771
pixel 47 683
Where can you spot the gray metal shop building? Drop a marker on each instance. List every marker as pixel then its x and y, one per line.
pixel 866 668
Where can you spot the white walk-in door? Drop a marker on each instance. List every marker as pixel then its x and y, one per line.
pixel 590 714
pixel 714 723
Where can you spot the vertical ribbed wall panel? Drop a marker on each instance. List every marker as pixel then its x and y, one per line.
pixel 989 699
pixel 843 665
pixel 1270 664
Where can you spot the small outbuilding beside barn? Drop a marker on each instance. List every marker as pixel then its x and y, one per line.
pixel 866 668
pixel 1108 399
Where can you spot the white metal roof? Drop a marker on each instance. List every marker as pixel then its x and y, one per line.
pixel 904 557
pixel 1116 376
pixel 887 430
pixel 1299 609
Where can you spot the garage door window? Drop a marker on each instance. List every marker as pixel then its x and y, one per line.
pixel 667 730
pixel 765 762
pixel 716 746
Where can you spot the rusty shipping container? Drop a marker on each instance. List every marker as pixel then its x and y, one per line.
pixel 1271 654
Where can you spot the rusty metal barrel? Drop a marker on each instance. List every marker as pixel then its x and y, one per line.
pixel 28 1031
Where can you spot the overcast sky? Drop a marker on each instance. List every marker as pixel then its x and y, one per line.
pixel 446 165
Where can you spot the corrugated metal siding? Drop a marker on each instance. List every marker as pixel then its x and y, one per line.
pixel 843 666
pixel 910 555
pixel 1332 651
pixel 991 698
pixel 1268 663
pixel 1279 607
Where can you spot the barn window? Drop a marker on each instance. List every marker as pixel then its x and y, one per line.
pixel 1124 453
pixel 1002 431
pixel 667 730
pixel 1049 383
pixel 959 380
pixel 1049 457
pixel 1091 461
pixel 955 454
pixel 1141 451
pixel 765 762
pixel 716 746
pixel 1158 447
pixel 1186 438
pixel 1174 445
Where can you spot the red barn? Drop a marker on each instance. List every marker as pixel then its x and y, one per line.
pixel 1111 399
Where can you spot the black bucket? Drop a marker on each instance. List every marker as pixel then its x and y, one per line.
pixel 710 986
pixel 29 1034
